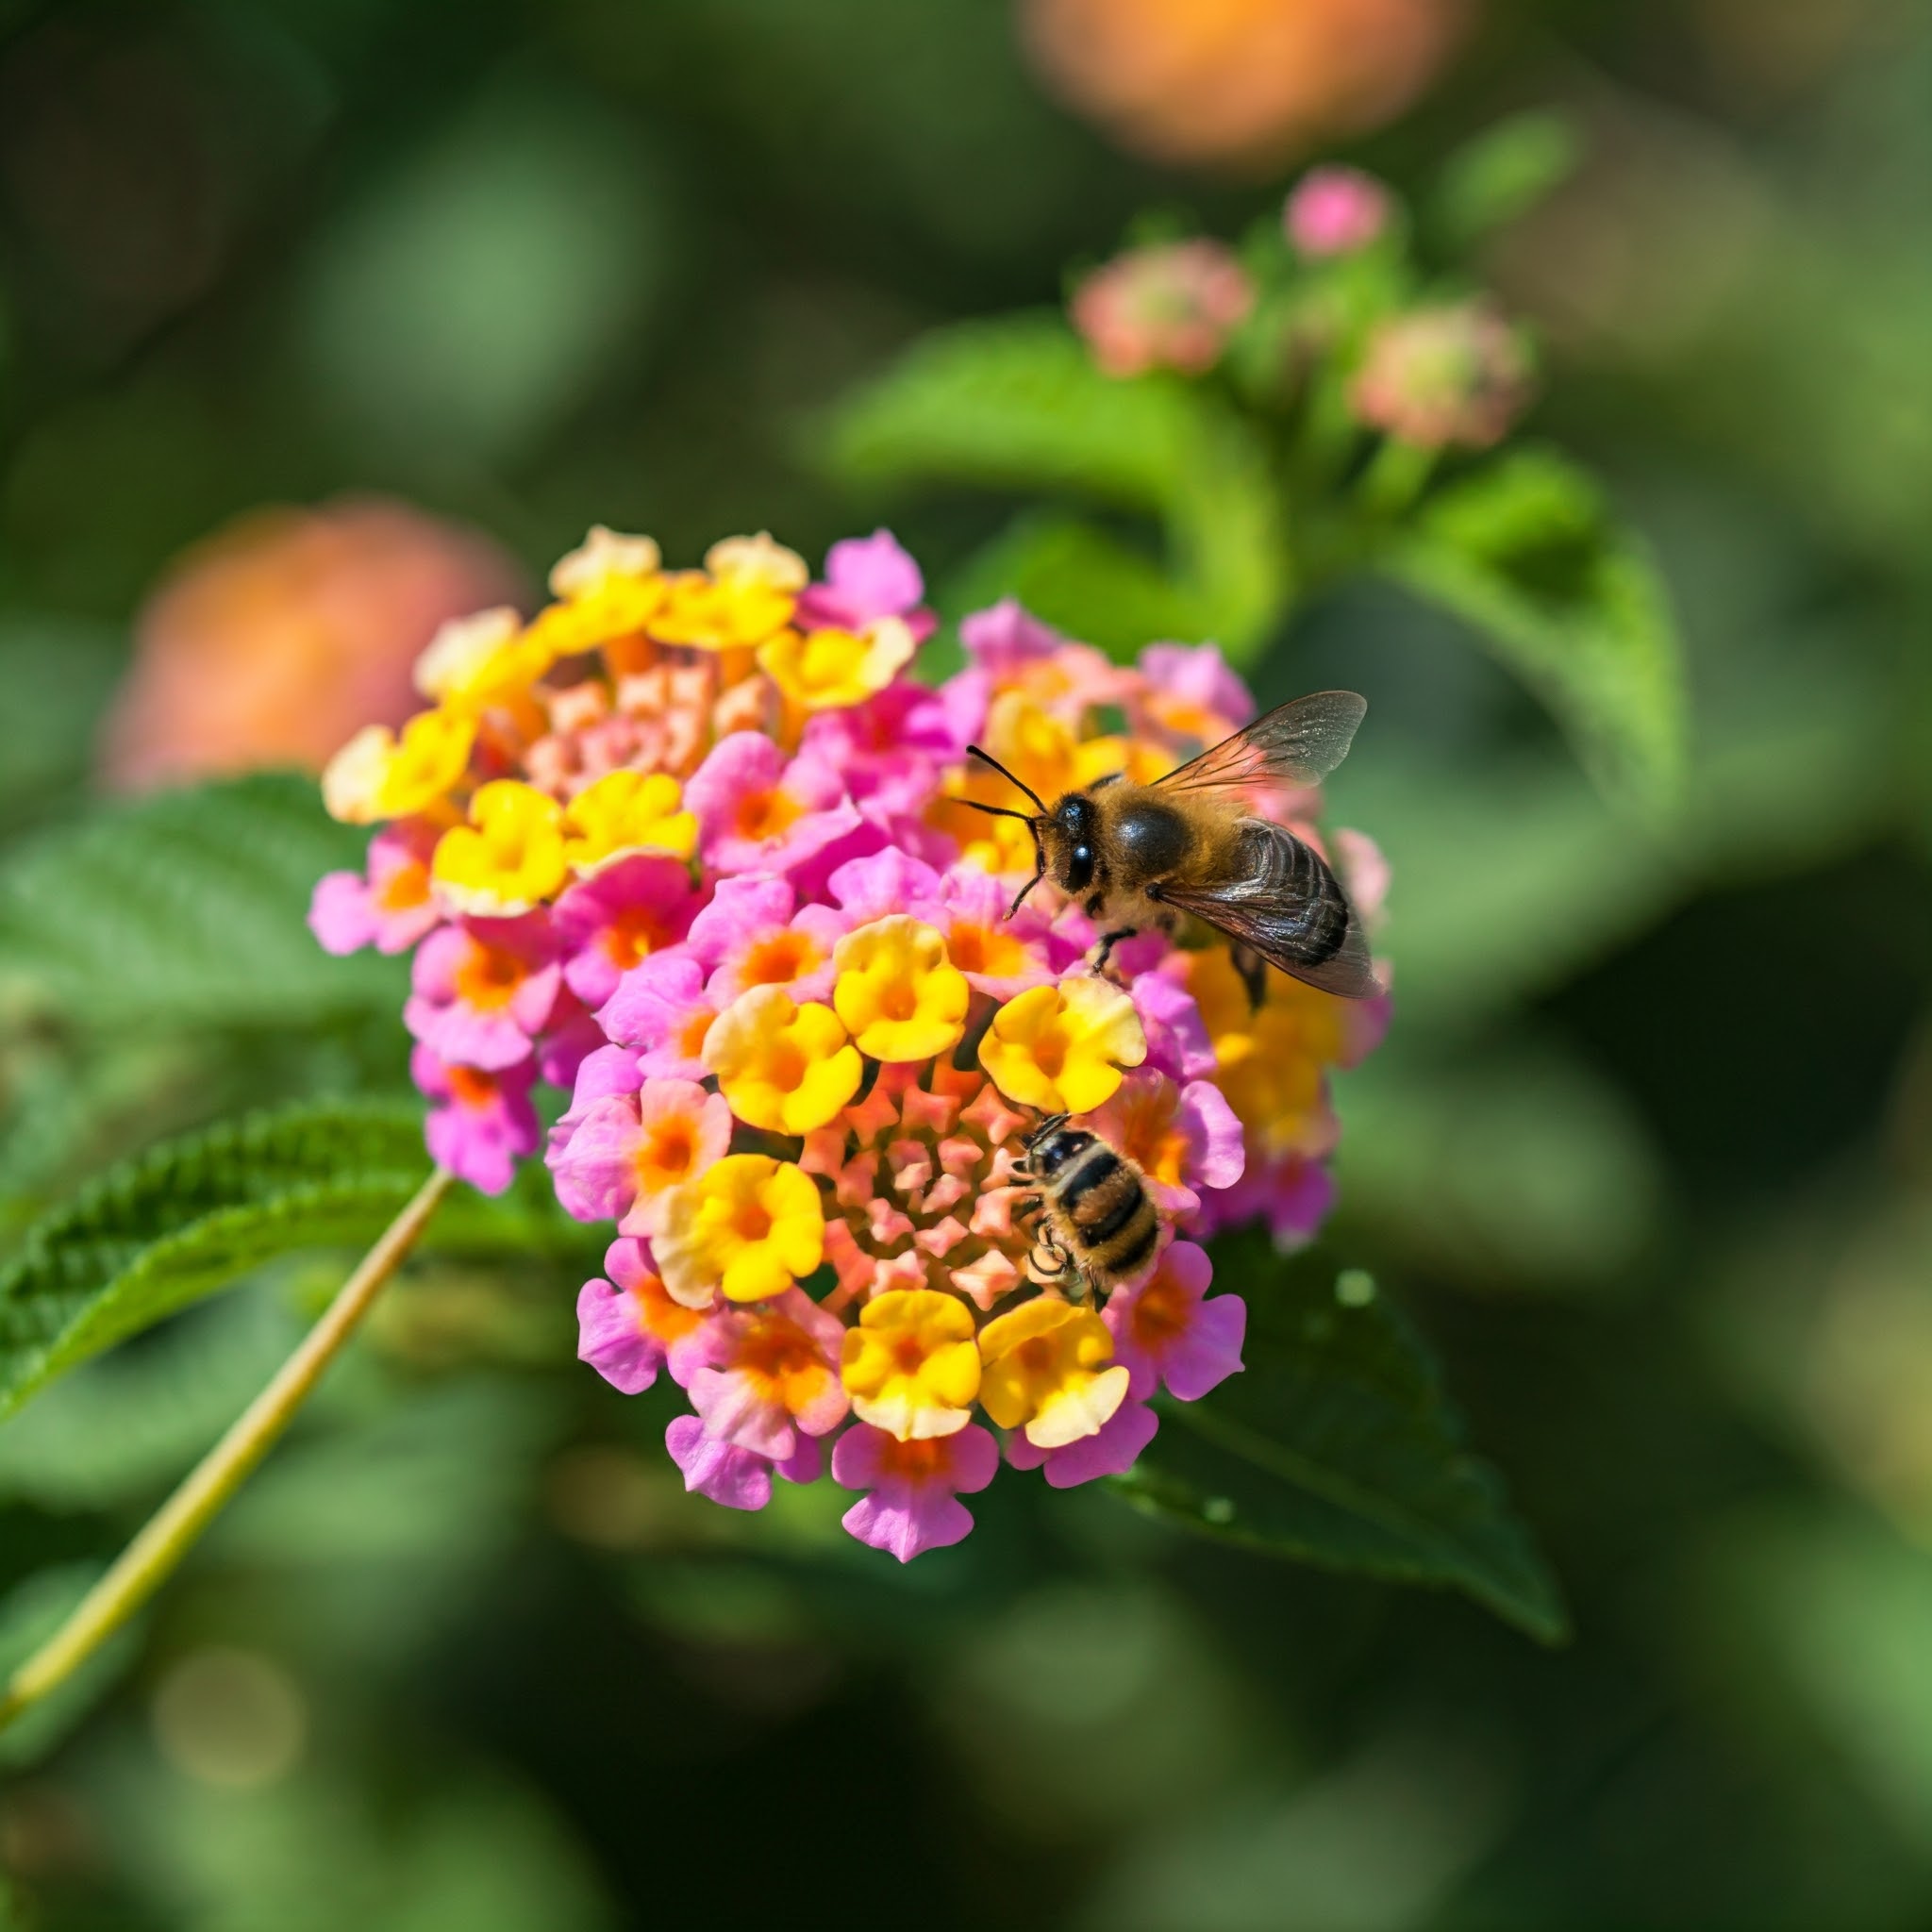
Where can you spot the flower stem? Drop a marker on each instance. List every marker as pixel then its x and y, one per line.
pixel 172 1530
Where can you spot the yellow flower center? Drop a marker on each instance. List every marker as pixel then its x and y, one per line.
pixel 489 977
pixel 975 948
pixel 765 814
pixel 471 1089
pixel 782 959
pixel 625 812
pixel 748 1224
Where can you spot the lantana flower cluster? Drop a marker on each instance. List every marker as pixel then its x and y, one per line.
pixel 694 848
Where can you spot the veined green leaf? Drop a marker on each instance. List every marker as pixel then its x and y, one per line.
pixel 1524 552
pixel 1337 1446
pixel 187 908
pixel 190 1217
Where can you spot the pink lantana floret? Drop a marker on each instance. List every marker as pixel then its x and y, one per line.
pixel 1335 210
pixel 610 924
pixel 1113 1450
pixel 390 906
pixel 736 1477
pixel 770 1374
pixel 1166 1329
pixel 629 1327
pixel 625 1153
pixel 759 812
pixel 912 1489
pixel 866 578
pixel 483 1122
pixel 484 989
pixel 662 1009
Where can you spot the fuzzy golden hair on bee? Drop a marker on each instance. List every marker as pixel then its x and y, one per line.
pixel 1099 1224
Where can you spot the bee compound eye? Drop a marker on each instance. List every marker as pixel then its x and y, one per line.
pixel 1083 855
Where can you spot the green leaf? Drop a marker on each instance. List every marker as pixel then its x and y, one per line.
pixel 1337 1446
pixel 1524 552
pixel 190 1217
pixel 187 908
pixel 1501 174
pixel 1018 404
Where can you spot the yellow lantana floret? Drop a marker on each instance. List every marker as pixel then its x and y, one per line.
pixel 604 556
pixel 623 812
pixel 898 993
pixel 510 856
pixel 744 561
pixel 750 591
pixel 749 1226
pixel 1060 1048
pixel 782 1066
pixel 1046 1371
pixel 911 1366
pixel 474 662
pixel 377 775
pixel 609 588
pixel 819 669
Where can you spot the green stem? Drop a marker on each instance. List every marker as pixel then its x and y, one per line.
pixel 172 1530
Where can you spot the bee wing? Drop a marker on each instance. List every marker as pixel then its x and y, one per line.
pixel 1297 743
pixel 1279 898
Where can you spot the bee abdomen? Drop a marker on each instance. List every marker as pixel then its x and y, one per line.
pixel 1107 1214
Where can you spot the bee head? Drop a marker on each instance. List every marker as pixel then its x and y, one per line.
pixel 1066 838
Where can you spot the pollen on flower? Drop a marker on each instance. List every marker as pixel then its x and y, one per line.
pixel 692 845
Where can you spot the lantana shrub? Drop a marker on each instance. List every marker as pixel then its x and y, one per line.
pixel 693 846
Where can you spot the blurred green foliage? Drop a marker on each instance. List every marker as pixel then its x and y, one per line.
pixel 1646 1159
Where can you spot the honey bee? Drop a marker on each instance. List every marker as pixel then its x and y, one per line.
pixel 1097 1217
pixel 1138 856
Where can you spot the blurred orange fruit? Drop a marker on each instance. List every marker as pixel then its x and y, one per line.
pixel 1238 83
pixel 273 640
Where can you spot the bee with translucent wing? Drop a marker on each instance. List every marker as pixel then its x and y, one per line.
pixel 1136 855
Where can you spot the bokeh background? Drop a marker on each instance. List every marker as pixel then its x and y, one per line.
pixel 319 322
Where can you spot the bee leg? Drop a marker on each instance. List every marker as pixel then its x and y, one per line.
pixel 1108 940
pixel 1031 1204
pixel 1253 972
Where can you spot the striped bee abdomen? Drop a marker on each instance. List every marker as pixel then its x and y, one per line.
pixel 1097 1203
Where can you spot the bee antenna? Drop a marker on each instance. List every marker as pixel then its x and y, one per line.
pixel 1039 873
pixel 998 812
pixel 972 751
